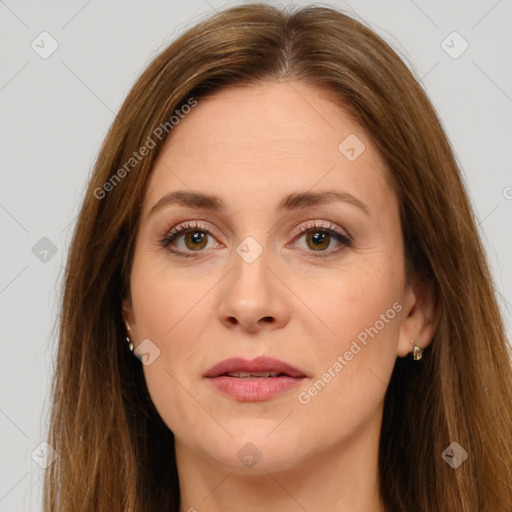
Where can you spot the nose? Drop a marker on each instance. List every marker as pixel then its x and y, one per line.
pixel 253 296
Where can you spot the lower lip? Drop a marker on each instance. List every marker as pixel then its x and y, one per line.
pixel 256 389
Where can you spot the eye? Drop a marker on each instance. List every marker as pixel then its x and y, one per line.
pixel 318 238
pixel 195 238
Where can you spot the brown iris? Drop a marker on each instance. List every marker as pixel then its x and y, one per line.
pixel 195 237
pixel 320 240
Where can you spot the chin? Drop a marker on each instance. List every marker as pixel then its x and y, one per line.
pixel 253 451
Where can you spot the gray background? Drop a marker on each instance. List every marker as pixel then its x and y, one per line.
pixel 55 112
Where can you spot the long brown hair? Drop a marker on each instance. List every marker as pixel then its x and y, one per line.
pixel 115 452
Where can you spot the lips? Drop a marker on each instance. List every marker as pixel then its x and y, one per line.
pixel 259 367
pixel 256 380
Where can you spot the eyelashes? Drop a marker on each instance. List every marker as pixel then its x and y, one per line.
pixel 318 234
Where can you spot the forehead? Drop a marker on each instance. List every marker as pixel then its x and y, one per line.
pixel 267 140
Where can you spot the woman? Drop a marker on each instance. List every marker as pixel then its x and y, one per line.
pixel 277 229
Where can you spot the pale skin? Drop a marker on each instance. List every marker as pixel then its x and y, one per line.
pixel 253 146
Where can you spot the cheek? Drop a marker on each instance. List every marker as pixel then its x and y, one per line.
pixel 162 301
pixel 353 300
pixel 174 313
pixel 170 313
pixel 356 358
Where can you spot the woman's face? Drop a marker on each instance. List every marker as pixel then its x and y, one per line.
pixel 273 267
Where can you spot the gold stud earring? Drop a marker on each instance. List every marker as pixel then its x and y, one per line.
pixel 417 351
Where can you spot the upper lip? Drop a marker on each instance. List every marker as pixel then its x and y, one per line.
pixel 259 364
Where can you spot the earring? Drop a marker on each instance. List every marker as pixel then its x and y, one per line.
pixel 130 343
pixel 417 351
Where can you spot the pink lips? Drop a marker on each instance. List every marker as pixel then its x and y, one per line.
pixel 249 388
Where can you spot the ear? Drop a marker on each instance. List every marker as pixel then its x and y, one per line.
pixel 128 318
pixel 422 316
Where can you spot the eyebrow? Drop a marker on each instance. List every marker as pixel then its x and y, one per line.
pixel 293 201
